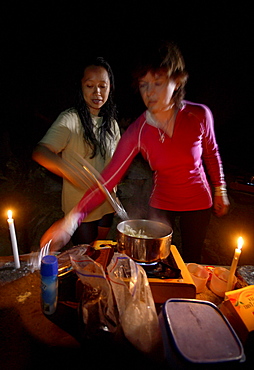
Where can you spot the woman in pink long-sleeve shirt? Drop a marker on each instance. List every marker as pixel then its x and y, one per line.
pixel 176 137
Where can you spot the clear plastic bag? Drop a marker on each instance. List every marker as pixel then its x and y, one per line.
pixel 137 313
pixel 98 310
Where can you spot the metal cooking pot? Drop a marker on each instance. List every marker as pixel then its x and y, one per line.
pixel 151 248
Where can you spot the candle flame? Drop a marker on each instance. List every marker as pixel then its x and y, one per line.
pixel 9 213
pixel 240 243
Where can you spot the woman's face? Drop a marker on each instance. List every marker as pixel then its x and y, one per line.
pixel 95 88
pixel 156 91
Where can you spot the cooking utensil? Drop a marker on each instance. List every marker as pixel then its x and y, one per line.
pixel 94 178
pixel 35 258
pixel 150 241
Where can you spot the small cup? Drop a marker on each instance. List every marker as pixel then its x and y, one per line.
pixel 219 281
pixel 199 276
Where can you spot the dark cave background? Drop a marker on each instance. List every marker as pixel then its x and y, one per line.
pixel 42 45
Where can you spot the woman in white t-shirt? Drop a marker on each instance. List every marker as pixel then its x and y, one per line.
pixel 90 130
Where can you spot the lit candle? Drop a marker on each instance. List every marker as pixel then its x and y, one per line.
pixel 234 264
pixel 13 240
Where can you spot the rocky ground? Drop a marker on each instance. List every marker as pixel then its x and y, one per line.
pixel 34 196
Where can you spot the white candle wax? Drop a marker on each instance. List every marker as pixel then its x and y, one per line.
pixel 234 264
pixel 13 240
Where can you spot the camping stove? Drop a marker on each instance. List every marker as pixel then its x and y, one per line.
pixel 181 286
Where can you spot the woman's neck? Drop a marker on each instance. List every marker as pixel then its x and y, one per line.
pixel 165 120
pixel 164 117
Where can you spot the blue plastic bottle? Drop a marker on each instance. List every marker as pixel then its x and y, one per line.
pixel 49 284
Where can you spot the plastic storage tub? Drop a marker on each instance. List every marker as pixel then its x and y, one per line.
pixel 196 333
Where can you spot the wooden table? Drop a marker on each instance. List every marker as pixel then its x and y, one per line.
pixel 30 340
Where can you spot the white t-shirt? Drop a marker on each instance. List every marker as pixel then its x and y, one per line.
pixel 66 136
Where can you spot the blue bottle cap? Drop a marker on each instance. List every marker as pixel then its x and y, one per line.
pixel 49 266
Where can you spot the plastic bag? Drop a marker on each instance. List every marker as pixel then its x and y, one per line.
pixel 137 313
pixel 98 310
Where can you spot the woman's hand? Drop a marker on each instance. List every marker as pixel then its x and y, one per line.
pixel 221 205
pixel 57 234
pixel 61 231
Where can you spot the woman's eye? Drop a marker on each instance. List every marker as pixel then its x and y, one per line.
pixel 142 85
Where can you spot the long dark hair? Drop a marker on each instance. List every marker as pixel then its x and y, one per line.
pixel 107 111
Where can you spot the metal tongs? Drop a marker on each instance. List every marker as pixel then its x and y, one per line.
pixel 94 178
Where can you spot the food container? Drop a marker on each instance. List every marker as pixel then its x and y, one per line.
pixel 238 307
pixel 199 276
pixel 195 333
pixel 219 281
pixel 144 241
